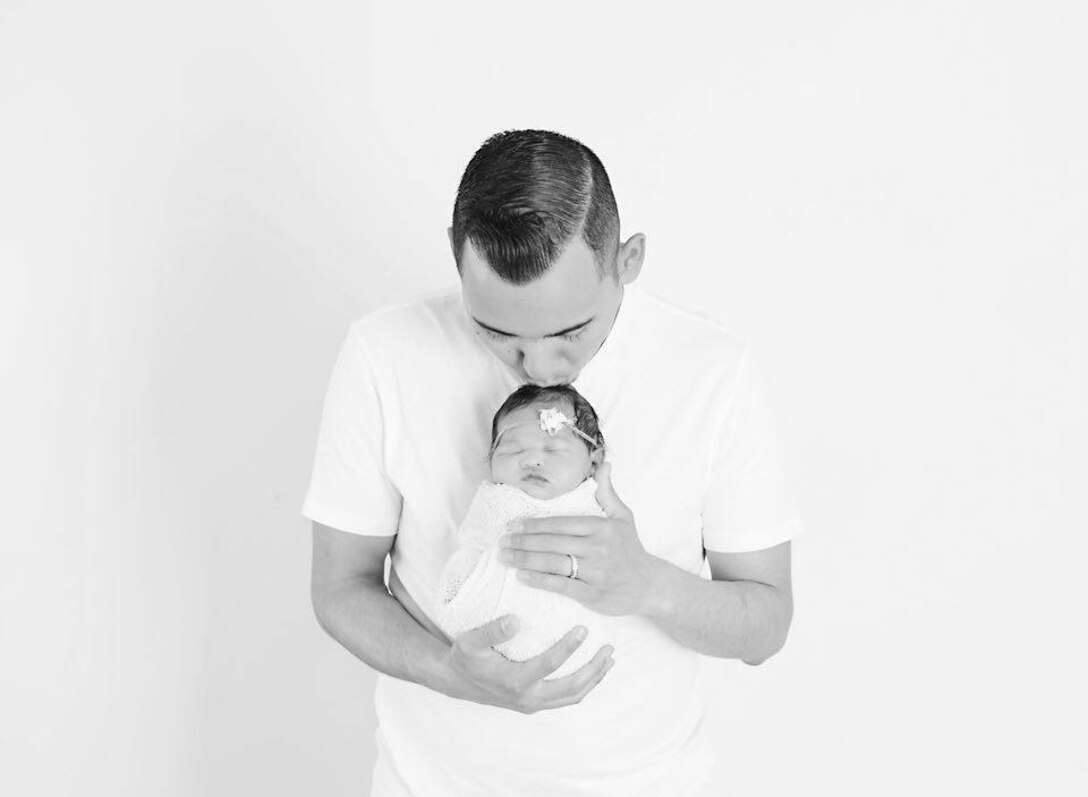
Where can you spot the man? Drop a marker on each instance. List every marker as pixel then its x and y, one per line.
pixel 546 296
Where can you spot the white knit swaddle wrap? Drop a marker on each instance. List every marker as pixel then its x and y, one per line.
pixel 476 587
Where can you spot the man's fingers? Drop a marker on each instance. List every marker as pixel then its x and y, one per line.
pixel 556 543
pixel 573 688
pixel 556 563
pixel 606 493
pixel 498 630
pixel 550 660
pixel 573 525
pixel 536 692
pixel 606 666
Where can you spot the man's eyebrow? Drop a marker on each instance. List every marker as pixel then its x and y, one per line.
pixel 566 331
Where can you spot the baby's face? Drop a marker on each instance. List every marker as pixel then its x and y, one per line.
pixel 540 464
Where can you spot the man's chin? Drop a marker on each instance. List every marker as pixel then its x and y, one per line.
pixel 566 380
pixel 530 380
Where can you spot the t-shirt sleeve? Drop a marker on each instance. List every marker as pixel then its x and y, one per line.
pixel 349 487
pixel 748 504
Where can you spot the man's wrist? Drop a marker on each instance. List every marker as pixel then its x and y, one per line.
pixel 658 596
pixel 436 670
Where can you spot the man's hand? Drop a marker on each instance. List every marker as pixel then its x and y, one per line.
pixel 483 675
pixel 615 574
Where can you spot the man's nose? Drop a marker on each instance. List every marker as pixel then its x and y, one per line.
pixel 541 366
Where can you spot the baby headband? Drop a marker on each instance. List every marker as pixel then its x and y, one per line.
pixel 552 420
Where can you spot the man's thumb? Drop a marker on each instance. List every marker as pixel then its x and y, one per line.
pixel 606 493
pixel 494 632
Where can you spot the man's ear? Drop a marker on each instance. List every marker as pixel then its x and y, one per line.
pixel 629 259
pixel 453 248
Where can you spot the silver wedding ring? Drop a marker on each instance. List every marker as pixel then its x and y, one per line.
pixel 573 566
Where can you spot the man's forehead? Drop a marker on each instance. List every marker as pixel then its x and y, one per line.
pixel 565 296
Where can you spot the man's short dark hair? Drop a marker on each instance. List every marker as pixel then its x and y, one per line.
pixel 585 417
pixel 525 194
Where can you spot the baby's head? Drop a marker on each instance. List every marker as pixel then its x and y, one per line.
pixel 549 458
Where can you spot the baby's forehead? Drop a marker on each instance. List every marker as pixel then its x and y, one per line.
pixel 530 431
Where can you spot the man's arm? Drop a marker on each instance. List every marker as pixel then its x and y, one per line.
pixel 352 604
pixel 743 613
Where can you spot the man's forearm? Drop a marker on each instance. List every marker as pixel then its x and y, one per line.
pixel 367 620
pixel 743 620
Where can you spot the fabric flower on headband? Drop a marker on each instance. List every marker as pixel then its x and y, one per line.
pixel 552 421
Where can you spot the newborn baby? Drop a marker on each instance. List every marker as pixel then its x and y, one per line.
pixel 545 446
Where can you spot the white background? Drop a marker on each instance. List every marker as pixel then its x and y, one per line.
pixel 888 199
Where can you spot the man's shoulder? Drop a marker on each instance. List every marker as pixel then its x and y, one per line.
pixel 688 332
pixel 682 316
pixel 437 311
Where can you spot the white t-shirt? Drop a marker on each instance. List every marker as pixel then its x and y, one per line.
pixel 403 445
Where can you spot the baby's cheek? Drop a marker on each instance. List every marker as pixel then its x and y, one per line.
pixel 570 474
pixel 500 471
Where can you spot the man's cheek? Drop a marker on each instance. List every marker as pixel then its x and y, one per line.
pixel 504 353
